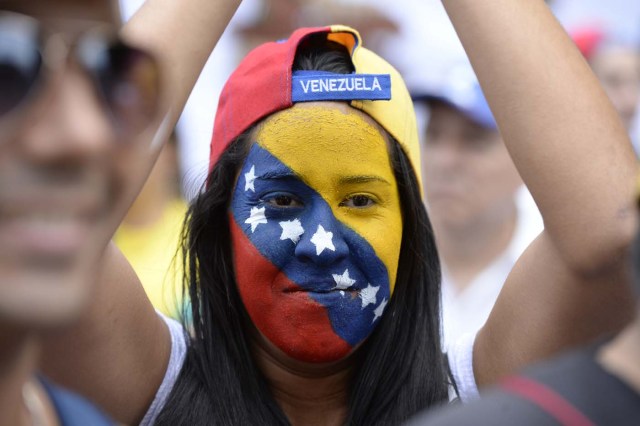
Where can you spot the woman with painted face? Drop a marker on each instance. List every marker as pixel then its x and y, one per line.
pixel 311 267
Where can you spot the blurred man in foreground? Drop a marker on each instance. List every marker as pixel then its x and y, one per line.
pixel 76 102
pixel 82 119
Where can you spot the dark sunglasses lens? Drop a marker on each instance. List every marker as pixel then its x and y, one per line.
pixel 130 82
pixel 20 61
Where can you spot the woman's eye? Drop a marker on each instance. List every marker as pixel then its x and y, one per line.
pixel 284 201
pixel 358 201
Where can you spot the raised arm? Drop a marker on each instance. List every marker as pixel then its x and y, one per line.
pixel 117 354
pixel 573 153
pixel 182 34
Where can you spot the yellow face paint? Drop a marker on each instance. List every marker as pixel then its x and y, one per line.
pixel 340 153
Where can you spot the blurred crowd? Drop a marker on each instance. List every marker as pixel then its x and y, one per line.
pixel 482 215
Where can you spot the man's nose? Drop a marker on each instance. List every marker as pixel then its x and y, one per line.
pixel 70 123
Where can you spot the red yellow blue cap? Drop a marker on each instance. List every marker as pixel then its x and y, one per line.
pixel 265 83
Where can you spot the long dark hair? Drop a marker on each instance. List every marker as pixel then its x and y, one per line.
pixel 402 368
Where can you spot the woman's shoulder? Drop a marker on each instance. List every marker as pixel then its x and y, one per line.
pixel 176 361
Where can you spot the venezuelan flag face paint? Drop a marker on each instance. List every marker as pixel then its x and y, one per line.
pixel 316 230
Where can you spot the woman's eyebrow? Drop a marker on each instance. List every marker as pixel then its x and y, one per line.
pixel 363 179
pixel 278 174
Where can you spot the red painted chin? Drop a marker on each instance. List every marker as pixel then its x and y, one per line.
pixel 292 321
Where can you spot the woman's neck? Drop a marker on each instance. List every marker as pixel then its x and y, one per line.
pixel 315 395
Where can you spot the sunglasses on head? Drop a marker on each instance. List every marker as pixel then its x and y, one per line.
pixel 126 79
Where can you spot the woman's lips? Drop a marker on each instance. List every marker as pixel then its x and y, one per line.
pixel 320 291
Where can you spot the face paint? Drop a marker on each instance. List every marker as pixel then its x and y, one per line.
pixel 316 230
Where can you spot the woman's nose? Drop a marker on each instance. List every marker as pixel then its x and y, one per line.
pixel 323 241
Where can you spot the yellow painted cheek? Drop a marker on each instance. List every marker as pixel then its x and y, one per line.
pixel 384 233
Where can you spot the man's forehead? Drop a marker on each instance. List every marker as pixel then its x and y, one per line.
pixel 95 10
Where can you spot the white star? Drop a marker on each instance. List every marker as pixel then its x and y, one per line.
pixel 368 295
pixel 377 313
pixel 343 281
pixel 291 229
pixel 322 240
pixel 249 178
pixel 257 217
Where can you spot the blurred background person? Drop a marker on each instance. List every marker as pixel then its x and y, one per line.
pixel 483 217
pixel 598 384
pixel 616 63
pixel 149 235
pixel 617 20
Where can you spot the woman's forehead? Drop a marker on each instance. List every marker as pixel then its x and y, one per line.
pixel 322 127
pixel 104 11
pixel 322 141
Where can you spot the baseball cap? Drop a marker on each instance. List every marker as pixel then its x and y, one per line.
pixel 461 90
pixel 265 83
